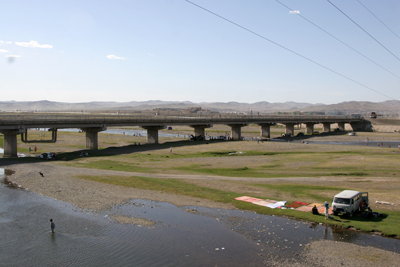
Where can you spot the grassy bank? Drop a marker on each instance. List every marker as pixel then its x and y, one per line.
pixel 388 224
pixel 251 163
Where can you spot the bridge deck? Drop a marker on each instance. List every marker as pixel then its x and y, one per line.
pixel 79 121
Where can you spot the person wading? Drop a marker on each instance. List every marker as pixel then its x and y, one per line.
pixel 52 226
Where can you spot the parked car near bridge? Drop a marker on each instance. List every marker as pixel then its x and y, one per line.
pixel 48 155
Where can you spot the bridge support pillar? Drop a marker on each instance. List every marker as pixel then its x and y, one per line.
pixel 199 130
pixel 341 126
pixel 92 139
pixel 265 130
pixel 309 128
pixel 152 133
pixel 327 126
pixel 362 126
pixel 289 128
pixel 10 142
pixel 236 131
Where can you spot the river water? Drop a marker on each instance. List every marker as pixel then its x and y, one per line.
pixel 392 144
pixel 202 237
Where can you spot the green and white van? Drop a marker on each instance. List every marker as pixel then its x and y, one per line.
pixel 348 202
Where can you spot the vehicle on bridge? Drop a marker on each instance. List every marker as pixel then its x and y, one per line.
pixel 374 115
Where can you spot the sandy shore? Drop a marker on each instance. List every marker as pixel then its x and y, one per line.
pixel 59 182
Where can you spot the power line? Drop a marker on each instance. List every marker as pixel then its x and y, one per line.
pixel 378 19
pixel 281 46
pixel 338 39
pixel 363 29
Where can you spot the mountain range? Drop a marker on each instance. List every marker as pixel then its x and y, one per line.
pixel 386 107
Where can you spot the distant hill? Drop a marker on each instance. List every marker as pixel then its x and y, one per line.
pixel 386 107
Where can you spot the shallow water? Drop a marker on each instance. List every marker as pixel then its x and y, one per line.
pixel 126 132
pixel 385 144
pixel 201 237
pixel 87 239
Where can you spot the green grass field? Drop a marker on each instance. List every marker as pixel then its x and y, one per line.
pixel 388 224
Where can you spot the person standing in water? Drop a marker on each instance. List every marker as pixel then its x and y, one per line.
pixel 52 226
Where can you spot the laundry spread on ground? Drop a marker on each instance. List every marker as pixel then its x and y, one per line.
pixel 273 204
pixel 276 204
pixel 322 210
pixel 316 204
pixel 264 202
pixel 297 204
pixel 248 199
pixel 304 208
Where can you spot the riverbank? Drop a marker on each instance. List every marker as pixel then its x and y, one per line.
pixel 60 182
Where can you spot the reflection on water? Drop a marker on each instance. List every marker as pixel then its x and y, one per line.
pixel 188 236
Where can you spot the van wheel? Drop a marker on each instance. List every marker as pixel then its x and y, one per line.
pixel 335 213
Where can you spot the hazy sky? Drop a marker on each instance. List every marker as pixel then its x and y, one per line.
pixel 137 50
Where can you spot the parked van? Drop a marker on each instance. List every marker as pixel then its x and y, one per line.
pixel 348 201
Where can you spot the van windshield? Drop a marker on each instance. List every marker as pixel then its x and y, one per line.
pixel 339 200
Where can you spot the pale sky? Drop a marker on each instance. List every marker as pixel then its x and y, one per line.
pixel 171 50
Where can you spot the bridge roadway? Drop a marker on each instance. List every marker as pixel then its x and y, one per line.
pixel 13 125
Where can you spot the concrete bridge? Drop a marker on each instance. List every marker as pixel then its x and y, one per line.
pixel 13 125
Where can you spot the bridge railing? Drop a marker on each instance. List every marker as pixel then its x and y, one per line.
pixel 104 118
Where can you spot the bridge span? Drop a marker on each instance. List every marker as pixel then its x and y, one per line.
pixel 13 125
